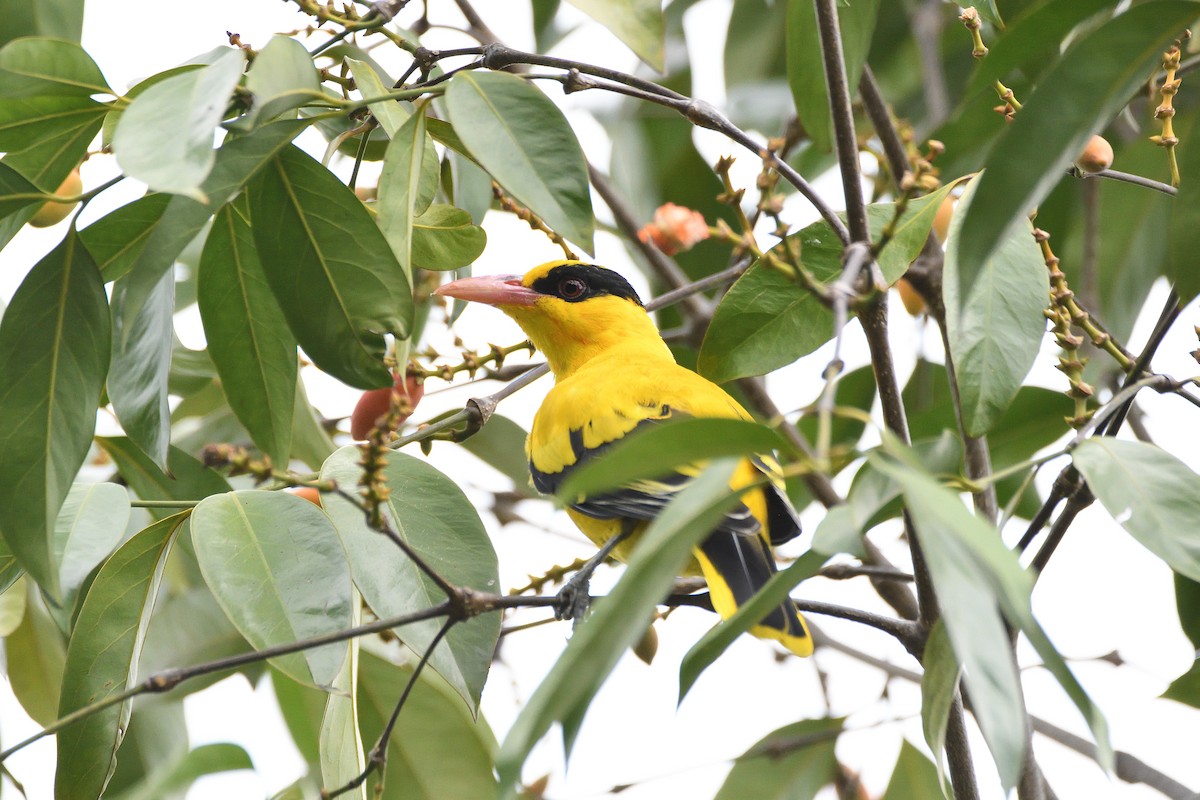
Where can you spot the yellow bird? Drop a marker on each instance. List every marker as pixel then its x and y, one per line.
pixel 614 373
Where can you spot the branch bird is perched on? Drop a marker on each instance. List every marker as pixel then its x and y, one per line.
pixel 613 374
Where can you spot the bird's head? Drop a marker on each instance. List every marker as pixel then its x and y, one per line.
pixel 571 311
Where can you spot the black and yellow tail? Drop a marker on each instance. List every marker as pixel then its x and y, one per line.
pixel 736 566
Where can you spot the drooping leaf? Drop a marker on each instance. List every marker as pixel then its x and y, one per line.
pixel 275 565
pixel 431 514
pixel 996 327
pixel 54 351
pixel 406 186
pixel 247 335
pixel 25 120
pixel 913 777
pixel 165 137
pixel 311 442
pixel 340 738
pixel 444 237
pixel 909 232
pixel 767 320
pixel 433 731
pixel 596 646
pixel 58 19
pixel 35 654
pixel 1107 65
pixel 704 652
pixel 115 240
pixel 103 655
pixel 519 136
pixel 44 66
pixel 1150 492
pixel 391 115
pixel 637 23
pixel 141 360
pixel 806 765
pixel 12 607
pixel 281 78
pixel 806 66
pixel 14 191
pixel 939 684
pixel 90 525
pixel 1183 228
pixel 177 774
pixel 329 267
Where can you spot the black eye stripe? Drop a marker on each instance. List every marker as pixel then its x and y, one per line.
pixel 595 281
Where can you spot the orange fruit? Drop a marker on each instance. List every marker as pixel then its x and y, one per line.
pixel 54 213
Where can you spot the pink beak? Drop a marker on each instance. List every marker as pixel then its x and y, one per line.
pixel 495 290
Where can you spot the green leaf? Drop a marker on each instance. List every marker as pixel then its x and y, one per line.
pixel 340 742
pixel 248 338
pixel 1183 227
pixel 34 656
pixel 13 185
pixel 445 238
pixel 766 320
pixel 190 480
pixel 90 525
pixel 657 450
pixel 1186 688
pixel 806 66
pixel 996 327
pixel 116 240
pixel 600 641
pixel 141 359
pixel 276 567
pixel 855 389
pixel 391 115
pixel 434 730
pixel 430 513
pixel 910 232
pixel 24 120
pixel 48 160
pixel 939 685
pixel 176 775
pixel 54 349
pixel 914 776
pixel 190 628
pixel 311 443
pixel 501 445
pixel 103 655
pixel 1108 66
pixel 281 78
pixel 12 607
pixel 807 763
pixel 60 19
pixel 165 136
pixel 972 571
pixel 237 162
pixel 519 136
pixel 330 268
pixel 1151 493
pixel 37 66
pixel 406 186
pixel 637 23
pixel 710 646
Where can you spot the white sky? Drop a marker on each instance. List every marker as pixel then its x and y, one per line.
pixel 1102 592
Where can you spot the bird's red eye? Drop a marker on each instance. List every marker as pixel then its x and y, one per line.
pixel 572 289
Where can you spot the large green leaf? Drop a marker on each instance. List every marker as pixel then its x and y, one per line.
pixel 177 774
pixel 116 240
pixel 973 572
pixel 710 646
pixel 329 267
pixel 1151 493
pixel 24 120
pixel 247 335
pixel 274 563
pixel 189 480
pixel 391 115
pixel 1186 688
pixel 34 656
pixel 637 23
pixel 311 442
pixel 432 515
pixel 913 777
pixel 60 19
pixel 656 451
pixel 519 136
pixel 996 326
pixel 939 685
pixel 141 359
pixel 102 658
pixel 90 525
pixel 14 191
pixel 281 78
pixel 437 749
pixel 190 628
pixel 806 65
pixel 597 644
pixel 340 739
pixel 54 350
pixel 501 444
pixel 42 66
pixel 165 137
pixel 910 231
pixel 806 765
pixel 1183 230
pixel 1108 66
pixel 767 320
pixel 237 162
